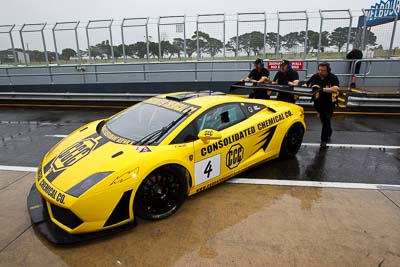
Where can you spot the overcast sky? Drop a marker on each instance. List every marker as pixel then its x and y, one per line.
pixel 34 11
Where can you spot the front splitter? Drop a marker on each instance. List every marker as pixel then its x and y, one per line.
pixel 41 220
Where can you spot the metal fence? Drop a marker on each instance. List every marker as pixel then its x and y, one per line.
pixel 327 34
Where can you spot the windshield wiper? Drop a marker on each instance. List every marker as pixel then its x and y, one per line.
pixel 161 131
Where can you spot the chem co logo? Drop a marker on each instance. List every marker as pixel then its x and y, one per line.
pixel 73 154
pixel 234 156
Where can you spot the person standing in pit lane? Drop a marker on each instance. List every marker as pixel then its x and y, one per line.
pixel 354 54
pixel 286 76
pixel 258 75
pixel 324 101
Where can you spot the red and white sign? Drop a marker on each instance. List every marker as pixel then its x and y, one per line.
pixel 276 65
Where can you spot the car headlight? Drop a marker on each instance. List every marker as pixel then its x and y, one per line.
pixel 87 183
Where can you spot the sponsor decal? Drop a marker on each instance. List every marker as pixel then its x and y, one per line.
pixel 273 120
pixel 52 192
pixel 116 139
pixel 73 154
pixel 173 105
pixel 250 109
pixel 256 108
pixel 234 156
pixel 142 149
pixel 275 65
pixel 227 141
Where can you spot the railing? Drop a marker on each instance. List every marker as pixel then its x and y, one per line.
pixel 269 40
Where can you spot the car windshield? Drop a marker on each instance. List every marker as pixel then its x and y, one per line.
pixel 141 120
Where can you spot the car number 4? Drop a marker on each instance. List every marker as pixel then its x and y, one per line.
pixel 207 169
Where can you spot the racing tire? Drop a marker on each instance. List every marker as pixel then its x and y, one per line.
pixel 292 141
pixel 161 193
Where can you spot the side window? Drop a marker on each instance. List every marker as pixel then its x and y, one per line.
pixel 220 117
pixel 188 134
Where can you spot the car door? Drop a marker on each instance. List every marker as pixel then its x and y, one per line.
pixel 218 159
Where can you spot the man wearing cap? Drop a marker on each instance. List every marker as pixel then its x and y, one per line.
pixel 324 101
pixel 259 75
pixel 286 76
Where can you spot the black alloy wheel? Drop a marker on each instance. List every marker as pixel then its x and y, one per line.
pixel 292 141
pixel 161 193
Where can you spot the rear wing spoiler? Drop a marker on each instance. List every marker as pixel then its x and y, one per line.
pixel 295 90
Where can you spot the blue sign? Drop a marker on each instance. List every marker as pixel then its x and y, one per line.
pixel 381 13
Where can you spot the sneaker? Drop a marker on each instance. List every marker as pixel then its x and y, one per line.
pixel 323 144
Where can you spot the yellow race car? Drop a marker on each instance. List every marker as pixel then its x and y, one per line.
pixel 145 160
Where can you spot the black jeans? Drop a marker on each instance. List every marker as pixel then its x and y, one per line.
pixel 325 116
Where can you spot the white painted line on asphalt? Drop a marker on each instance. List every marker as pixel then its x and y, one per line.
pixel 18 168
pixel 56 135
pixel 353 146
pixel 313 184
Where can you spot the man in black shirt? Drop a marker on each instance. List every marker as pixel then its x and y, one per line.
pixel 354 54
pixel 324 102
pixel 259 75
pixel 286 76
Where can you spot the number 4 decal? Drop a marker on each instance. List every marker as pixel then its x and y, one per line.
pixel 207 169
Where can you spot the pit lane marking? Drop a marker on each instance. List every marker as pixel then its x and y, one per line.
pixel 352 146
pixel 314 184
pixel 18 168
pixel 56 135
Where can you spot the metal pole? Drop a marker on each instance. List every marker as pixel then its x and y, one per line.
pixel 159 39
pixel 123 40
pixel 393 33
pixel 366 18
pixel 12 45
pixel 78 52
pixel 22 44
pixel 111 42
pixel 184 35
pixel 306 37
pixel 223 33
pixel 55 43
pixel 88 42
pixel 237 37
pixel 350 28
pixel 147 40
pixel 265 34
pixel 277 48
pixel 197 38
pixel 44 45
pixel 320 36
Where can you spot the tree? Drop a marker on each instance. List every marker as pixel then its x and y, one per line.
pixel 214 46
pixel 139 49
pixel 291 39
pixel 271 39
pixel 339 36
pixel 313 40
pixel 67 53
pixel 191 47
pixel 153 49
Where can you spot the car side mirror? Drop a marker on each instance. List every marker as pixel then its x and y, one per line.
pixel 209 134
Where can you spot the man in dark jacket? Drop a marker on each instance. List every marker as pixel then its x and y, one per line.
pixel 324 101
pixel 286 76
pixel 354 54
pixel 258 75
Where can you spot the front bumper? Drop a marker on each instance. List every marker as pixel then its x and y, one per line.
pixel 40 218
